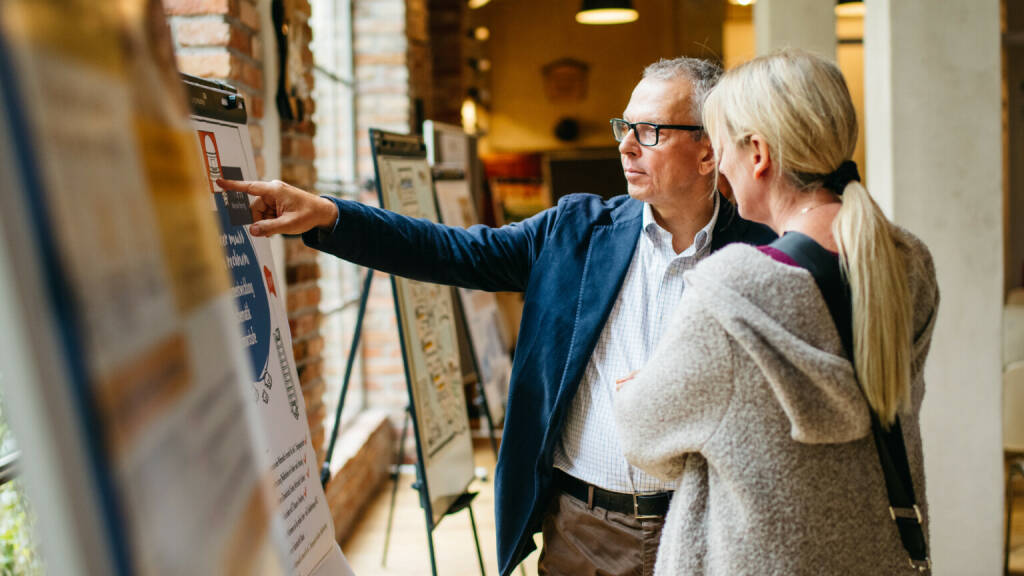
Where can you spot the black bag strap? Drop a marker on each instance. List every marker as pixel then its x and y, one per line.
pixel 903 509
pixel 892 451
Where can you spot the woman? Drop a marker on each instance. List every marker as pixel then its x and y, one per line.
pixel 751 402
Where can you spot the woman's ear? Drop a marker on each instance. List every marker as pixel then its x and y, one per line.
pixel 761 157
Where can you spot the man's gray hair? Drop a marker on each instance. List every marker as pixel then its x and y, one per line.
pixel 702 74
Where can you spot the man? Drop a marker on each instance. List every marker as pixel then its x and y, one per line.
pixel 599 278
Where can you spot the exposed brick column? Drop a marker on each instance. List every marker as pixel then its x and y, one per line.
pixel 297 157
pixel 383 100
pixel 420 62
pixel 448 66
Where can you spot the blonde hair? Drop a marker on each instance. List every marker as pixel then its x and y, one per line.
pixel 799 104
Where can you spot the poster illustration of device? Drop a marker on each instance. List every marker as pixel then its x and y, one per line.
pixel 263 328
pixel 431 346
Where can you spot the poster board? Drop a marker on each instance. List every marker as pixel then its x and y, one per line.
pixel 219 122
pixel 143 455
pixel 427 326
pixel 447 148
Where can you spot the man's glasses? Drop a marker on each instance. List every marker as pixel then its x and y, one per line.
pixel 647 133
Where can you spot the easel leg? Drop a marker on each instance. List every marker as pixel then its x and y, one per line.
pixel 476 540
pixel 433 561
pixel 421 485
pixel 325 471
pixel 394 487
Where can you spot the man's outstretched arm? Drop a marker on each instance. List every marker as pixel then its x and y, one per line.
pixel 281 208
pixel 496 259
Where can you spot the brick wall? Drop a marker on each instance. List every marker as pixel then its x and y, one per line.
pixel 220 40
pixel 383 100
pixel 448 66
pixel 297 168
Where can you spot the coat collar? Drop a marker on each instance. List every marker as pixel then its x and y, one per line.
pixel 729 226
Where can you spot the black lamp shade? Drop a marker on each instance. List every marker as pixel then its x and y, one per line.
pixel 606 12
pixel 606 5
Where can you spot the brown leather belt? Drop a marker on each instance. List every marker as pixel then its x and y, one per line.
pixel 640 506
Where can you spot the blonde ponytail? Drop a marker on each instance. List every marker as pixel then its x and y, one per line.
pixel 799 103
pixel 882 318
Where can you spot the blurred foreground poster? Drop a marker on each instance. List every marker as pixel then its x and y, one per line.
pixel 126 380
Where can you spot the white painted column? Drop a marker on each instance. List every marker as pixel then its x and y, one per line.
pixel 934 155
pixel 807 24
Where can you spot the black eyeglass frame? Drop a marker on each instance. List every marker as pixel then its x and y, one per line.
pixel 657 129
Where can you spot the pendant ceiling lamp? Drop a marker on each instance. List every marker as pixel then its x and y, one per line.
pixel 850 8
pixel 606 12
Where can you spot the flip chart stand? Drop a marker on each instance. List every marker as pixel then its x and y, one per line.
pixel 463 502
pixel 412 151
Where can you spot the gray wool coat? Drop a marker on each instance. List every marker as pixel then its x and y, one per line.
pixel 750 406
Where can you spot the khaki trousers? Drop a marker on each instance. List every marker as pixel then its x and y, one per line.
pixel 596 542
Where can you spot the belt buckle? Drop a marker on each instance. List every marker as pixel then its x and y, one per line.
pixel 636 510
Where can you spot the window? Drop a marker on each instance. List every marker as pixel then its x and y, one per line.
pixel 18 552
pixel 340 282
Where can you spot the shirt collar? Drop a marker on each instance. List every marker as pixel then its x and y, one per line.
pixel 701 242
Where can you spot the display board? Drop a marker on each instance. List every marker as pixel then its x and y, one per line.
pixel 219 121
pixel 143 453
pixel 146 451
pixel 483 317
pixel 428 328
pixel 447 149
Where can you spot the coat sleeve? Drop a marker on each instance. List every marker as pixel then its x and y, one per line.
pixel 479 257
pixel 676 402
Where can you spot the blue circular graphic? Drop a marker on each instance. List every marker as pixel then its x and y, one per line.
pixel 251 300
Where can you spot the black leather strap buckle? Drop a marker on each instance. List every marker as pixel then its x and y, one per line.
pixel 913 516
pixel 922 566
pixel 906 513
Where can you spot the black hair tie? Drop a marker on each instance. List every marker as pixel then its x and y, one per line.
pixel 840 177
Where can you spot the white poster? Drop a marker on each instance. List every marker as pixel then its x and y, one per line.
pixel 263 328
pixel 144 293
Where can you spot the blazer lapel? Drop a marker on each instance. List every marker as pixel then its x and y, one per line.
pixel 608 257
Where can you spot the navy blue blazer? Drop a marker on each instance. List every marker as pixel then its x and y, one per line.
pixel 570 261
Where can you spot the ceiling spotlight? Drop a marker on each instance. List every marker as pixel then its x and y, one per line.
pixel 850 8
pixel 478 3
pixel 607 12
pixel 481 33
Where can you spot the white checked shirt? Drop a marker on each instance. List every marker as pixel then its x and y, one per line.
pixel 589 448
